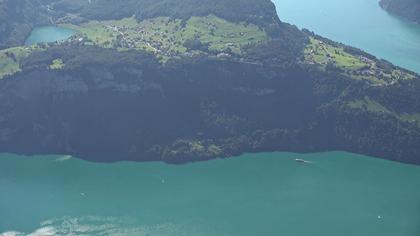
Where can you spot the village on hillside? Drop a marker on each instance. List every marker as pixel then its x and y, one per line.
pixel 335 58
pixel 167 37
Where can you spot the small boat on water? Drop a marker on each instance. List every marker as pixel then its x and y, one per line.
pixel 302 161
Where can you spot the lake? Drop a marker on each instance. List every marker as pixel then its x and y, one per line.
pixel 47 34
pixel 360 23
pixel 257 194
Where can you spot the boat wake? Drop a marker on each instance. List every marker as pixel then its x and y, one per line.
pixel 92 225
pixel 63 158
pixel 303 161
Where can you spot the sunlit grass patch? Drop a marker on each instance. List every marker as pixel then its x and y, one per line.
pixel 57 64
pixel 369 105
pixel 167 37
pixel 11 58
pixel 334 57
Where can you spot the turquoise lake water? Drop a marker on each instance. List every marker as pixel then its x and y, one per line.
pixel 360 23
pixel 254 195
pixel 48 34
pixel 259 194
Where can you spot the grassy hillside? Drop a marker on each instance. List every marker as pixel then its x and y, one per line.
pixel 11 58
pixel 172 37
pixel 18 17
pixel 165 37
pixel 188 80
pixel 335 57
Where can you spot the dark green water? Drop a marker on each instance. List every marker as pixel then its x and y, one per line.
pixel 260 194
pixel 47 34
pixel 360 23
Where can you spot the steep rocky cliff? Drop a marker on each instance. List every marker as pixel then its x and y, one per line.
pixel 128 106
pixel 409 9
pixel 290 90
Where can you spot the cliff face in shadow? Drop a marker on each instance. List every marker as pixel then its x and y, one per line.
pixel 134 108
pixel 291 91
pixel 409 9
pixel 131 107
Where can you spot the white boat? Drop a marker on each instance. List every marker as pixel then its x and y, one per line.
pixel 302 161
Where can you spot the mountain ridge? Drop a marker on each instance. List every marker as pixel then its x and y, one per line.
pixel 113 93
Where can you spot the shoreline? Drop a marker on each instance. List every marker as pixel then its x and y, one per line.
pixel 66 157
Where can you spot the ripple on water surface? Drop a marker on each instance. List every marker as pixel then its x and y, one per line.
pixel 257 194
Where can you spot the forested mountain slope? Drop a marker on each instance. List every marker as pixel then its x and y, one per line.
pixel 199 81
pixel 409 9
